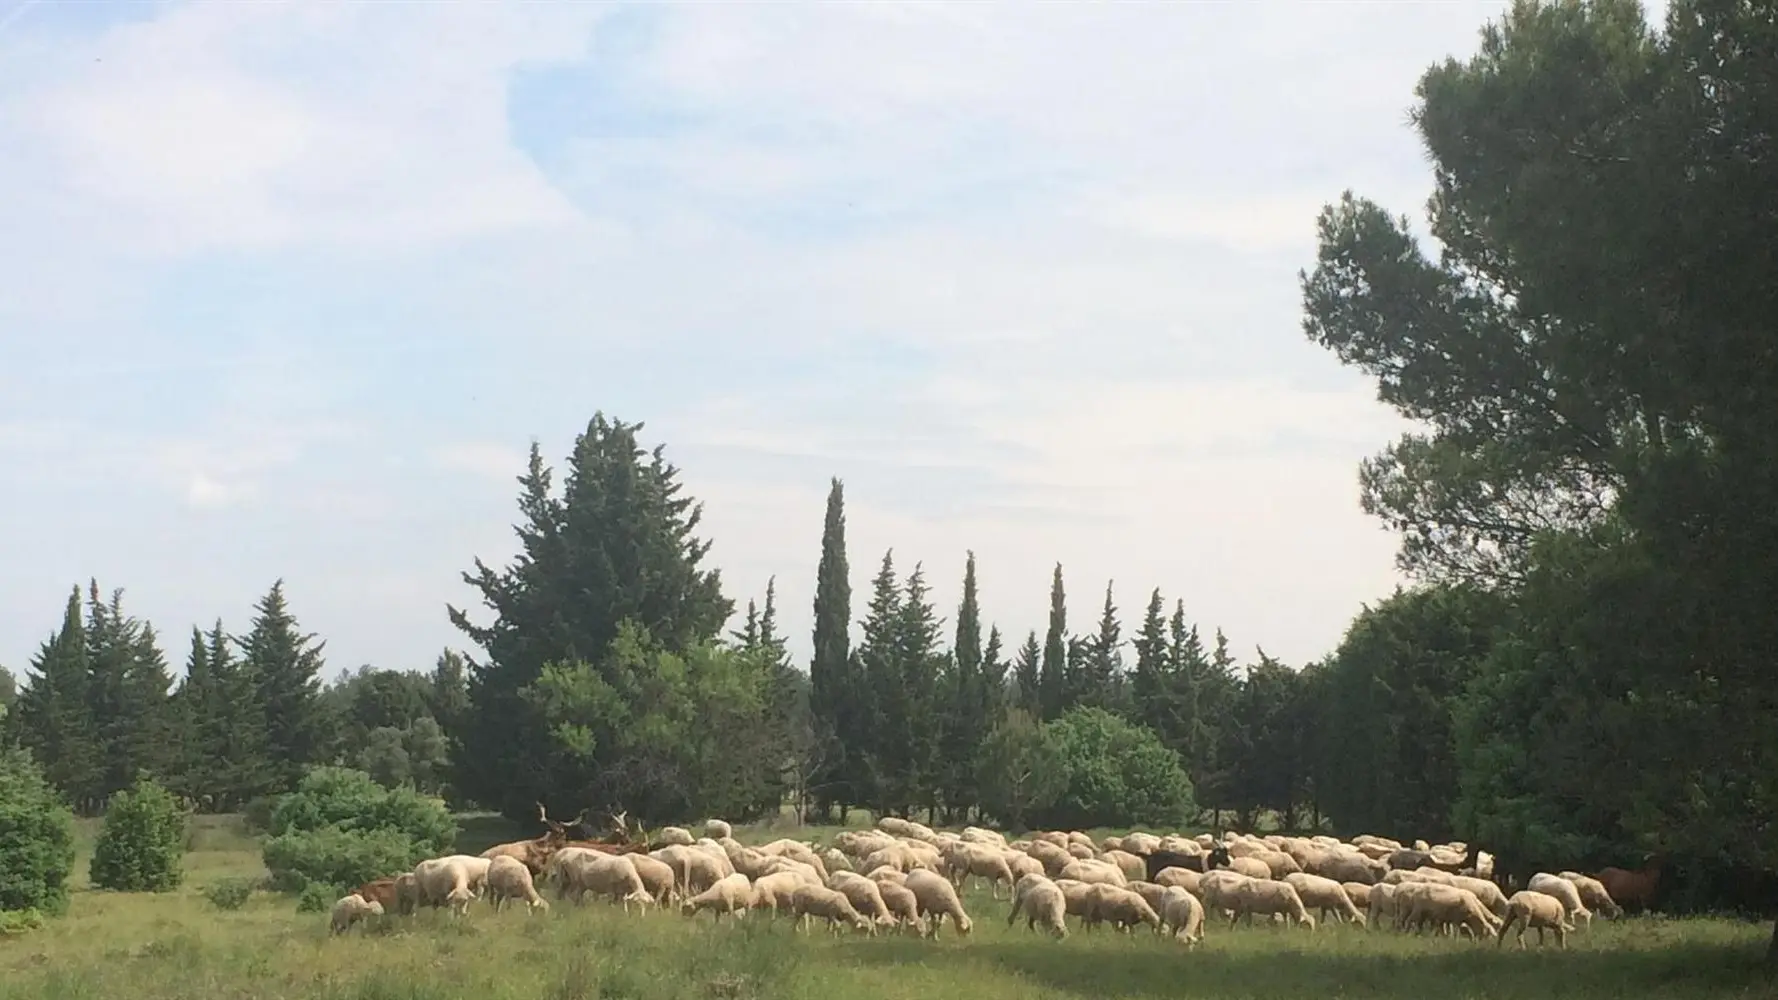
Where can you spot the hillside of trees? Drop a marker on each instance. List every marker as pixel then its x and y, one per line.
pixel 1582 673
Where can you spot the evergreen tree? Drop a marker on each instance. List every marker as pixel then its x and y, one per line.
pixel 833 686
pixel 616 545
pixel 1052 681
pixel 127 694
pixel 922 660
pixel 771 641
pixel 1206 690
pixel 1027 682
pixel 242 758
pixel 285 665
pixel 1152 681
pixel 448 697
pixel 964 712
pixel 992 696
pixel 1103 677
pixel 55 717
pixel 747 636
pixel 882 705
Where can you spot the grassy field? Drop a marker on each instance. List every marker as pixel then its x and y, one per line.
pixel 177 945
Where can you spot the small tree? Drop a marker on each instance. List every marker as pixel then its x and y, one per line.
pixel 1114 773
pixel 36 839
pixel 340 828
pixel 1018 770
pixel 141 847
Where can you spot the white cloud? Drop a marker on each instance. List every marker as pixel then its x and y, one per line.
pixel 1026 276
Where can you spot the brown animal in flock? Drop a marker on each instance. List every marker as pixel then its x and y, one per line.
pixel 1633 889
pixel 535 853
pixel 381 890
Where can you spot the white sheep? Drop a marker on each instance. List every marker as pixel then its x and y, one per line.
pixel 774 892
pixel 1564 890
pixel 902 906
pixel 717 829
pixel 937 899
pixel 1042 903
pixel 1324 895
pixel 1535 909
pixel 1083 870
pixel 981 861
pixel 452 880
pixel 1184 878
pixel 510 879
pixel 1182 912
pixel 1444 906
pixel 1265 897
pixel 657 876
pixel 694 870
pixel 1593 894
pixel 1132 866
pixel 730 896
pixel 674 835
pixel 610 875
pixel 1124 908
pixel 865 895
pixel 348 910
pixel 1486 891
pixel 833 906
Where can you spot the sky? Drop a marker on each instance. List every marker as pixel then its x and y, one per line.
pixel 287 289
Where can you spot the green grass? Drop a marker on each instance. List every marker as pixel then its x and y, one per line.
pixel 177 946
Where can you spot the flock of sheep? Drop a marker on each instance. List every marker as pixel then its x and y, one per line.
pixel 905 876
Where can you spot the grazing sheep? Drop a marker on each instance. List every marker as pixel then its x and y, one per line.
pixel 1263 897
pixel 1052 857
pixel 1153 892
pixel 865 895
pixel 774 892
pixel 1122 907
pixel 937 899
pixel 610 875
pixel 833 906
pixel 1593 894
pixel 1085 870
pixel 658 877
pixel 1184 878
pixel 903 907
pixel 509 879
pixel 980 861
pixel 1324 895
pixel 1182 913
pixel 407 894
pixel 1444 906
pixel 1132 866
pixel 1218 888
pixel 1021 864
pixel 730 896
pixel 1250 866
pixel 674 836
pixel 1535 909
pixel 1042 903
pixel 836 861
pixel 452 880
pixel 694 870
pixel 1486 891
pixel 977 835
pixel 1565 891
pixel 716 829
pixel 1084 852
pixel 348 910
pixel 1381 904
pixel 1278 864
pixel 1359 893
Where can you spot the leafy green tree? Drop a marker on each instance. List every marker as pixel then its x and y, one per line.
pixel 1115 773
pixel 1052 678
pixel 383 756
pixel 285 666
pixel 55 715
pixel 447 697
pixel 993 696
pixel 833 685
pixel 1402 668
pixel 1019 769
pixel 141 847
pixel 36 839
pixel 617 544
pixel 428 754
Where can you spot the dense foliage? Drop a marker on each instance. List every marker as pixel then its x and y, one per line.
pixel 1113 773
pixel 340 828
pixel 36 840
pixel 141 847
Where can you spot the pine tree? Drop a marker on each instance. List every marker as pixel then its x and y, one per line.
pixel 55 719
pixel 871 740
pixel 747 636
pixel 127 694
pixel 1151 684
pixel 833 686
pixel 448 697
pixel 1103 676
pixel 992 693
pixel 1027 682
pixel 771 641
pixel 285 665
pixel 244 767
pixel 618 544
pixel 918 634
pixel 1052 681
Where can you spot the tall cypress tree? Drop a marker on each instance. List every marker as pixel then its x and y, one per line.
pixel 127 694
pixel 1027 676
pixel 833 687
pixel 964 719
pixel 285 665
pixel 992 691
pixel 619 543
pixel 55 718
pixel 1052 681
pixel 1151 692
pixel 918 633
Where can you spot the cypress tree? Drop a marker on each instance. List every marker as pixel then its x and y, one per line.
pixel 992 690
pixel 964 719
pixel 285 665
pixel 618 544
pixel 1102 678
pixel 127 694
pixel 871 741
pixel 920 723
pixel 833 686
pixel 1052 681
pixel 747 636
pixel 1150 688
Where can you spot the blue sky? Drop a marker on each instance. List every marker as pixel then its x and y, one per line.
pixel 287 289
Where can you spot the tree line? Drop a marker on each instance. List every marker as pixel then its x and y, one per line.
pixel 1580 674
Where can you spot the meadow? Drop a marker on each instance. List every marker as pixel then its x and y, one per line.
pixel 179 945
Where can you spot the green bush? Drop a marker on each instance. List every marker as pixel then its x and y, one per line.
pixel 340 828
pixel 141 847
pixel 230 893
pixel 36 840
pixel 19 921
pixel 318 897
pixel 1115 773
